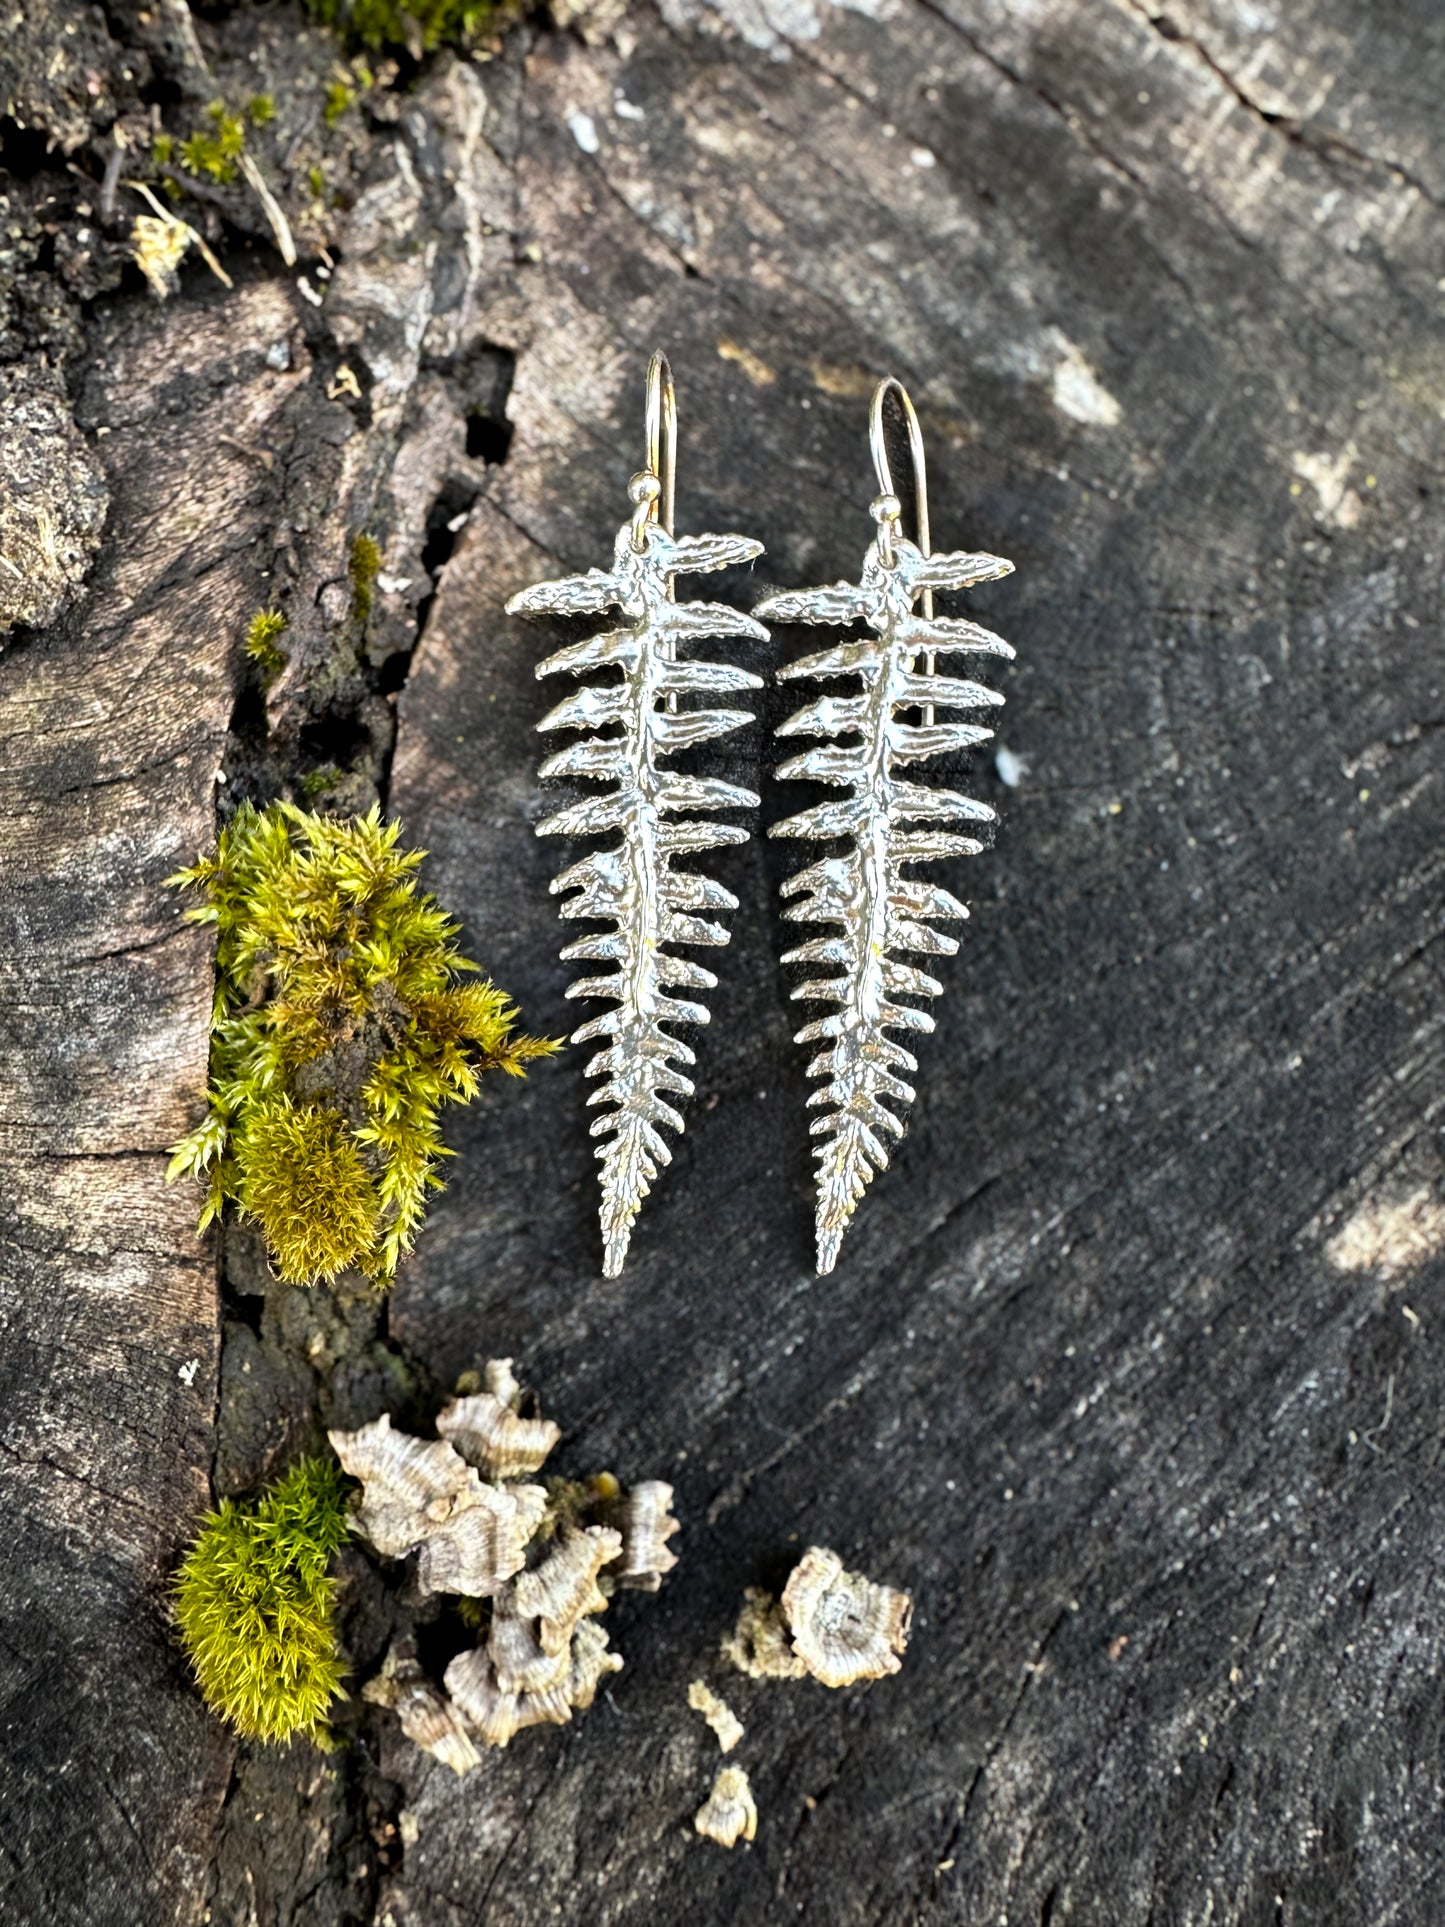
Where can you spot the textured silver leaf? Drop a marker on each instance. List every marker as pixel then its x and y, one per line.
pixel 877 908
pixel 632 884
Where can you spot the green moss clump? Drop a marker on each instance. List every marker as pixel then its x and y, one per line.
pixel 340 1028
pixel 316 782
pixel 260 110
pixel 254 1605
pixel 163 149
pixel 215 155
pixel 363 566
pixel 340 96
pixel 261 633
pixel 316 181
pixel 418 26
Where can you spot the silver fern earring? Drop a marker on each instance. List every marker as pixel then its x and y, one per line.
pixel 634 884
pixel 884 824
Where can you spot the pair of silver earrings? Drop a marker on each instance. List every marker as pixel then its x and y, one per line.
pixel 879 827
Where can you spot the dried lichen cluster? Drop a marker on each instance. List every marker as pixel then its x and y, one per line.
pixel 831 1624
pixel 340 1028
pixel 546 1559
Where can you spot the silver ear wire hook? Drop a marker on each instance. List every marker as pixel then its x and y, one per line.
pixel 887 509
pixel 654 488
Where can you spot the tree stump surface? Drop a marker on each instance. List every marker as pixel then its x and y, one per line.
pixel 1125 1369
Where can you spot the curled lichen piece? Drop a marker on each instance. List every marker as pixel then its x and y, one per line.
pixel 520 1661
pixel 427 1716
pixel 563 1589
pixel 409 1485
pixel 591 1660
pixel 341 1026
pixel 644 1518
pixel 761 1645
pixel 844 1626
pixel 729 1813
pixel 254 1605
pixel 496 1715
pixel 718 1714
pixel 488 1429
pixel 420 1495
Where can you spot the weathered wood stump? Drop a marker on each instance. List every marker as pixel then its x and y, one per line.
pixel 1125 1369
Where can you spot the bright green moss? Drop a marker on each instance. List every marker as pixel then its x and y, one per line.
pixel 304 1181
pixel 254 1605
pixel 418 26
pixel 261 633
pixel 163 149
pixel 340 1028
pixel 215 154
pixel 363 566
pixel 260 110
pixel 316 181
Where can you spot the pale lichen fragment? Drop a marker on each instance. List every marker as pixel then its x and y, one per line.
pixel 719 1715
pixel 1078 393
pixel 761 1645
pixel 729 1813
pixel 845 1627
pixel 427 1716
pixel 488 1429
pixel 644 1518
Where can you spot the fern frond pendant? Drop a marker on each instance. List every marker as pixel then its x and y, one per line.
pixel 883 825
pixel 631 726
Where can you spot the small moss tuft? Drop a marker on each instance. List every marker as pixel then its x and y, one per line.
pixel 316 782
pixel 163 149
pixel 254 1605
pixel 260 110
pixel 316 181
pixel 339 1030
pixel 363 567
pixel 261 633
pixel 419 26
pixel 340 97
pixel 215 155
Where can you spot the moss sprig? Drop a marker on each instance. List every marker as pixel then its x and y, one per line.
pixel 342 1023
pixel 420 25
pixel 214 155
pixel 261 634
pixel 254 1604
pixel 363 565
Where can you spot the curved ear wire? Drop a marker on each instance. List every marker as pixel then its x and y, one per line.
pixel 633 884
pixel 891 521
pixel 869 896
